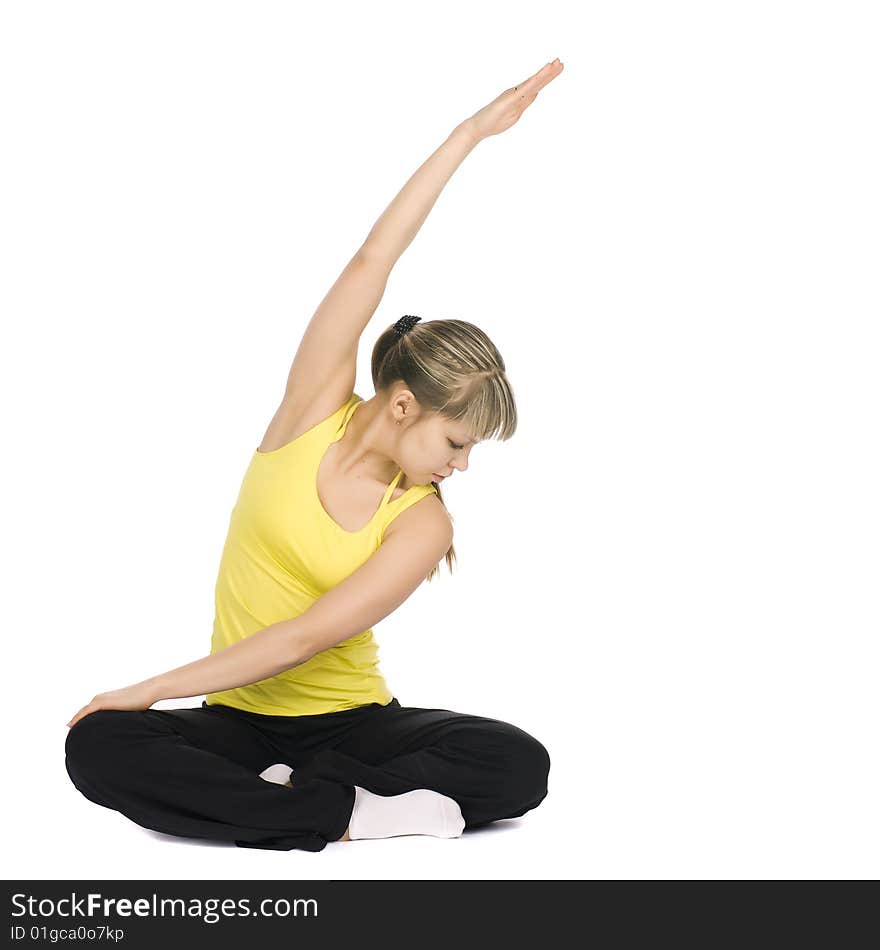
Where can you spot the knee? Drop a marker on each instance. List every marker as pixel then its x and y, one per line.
pixel 518 764
pixel 530 763
pixel 90 738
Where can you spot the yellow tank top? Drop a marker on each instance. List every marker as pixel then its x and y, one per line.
pixel 282 552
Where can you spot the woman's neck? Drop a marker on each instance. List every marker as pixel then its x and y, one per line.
pixel 364 450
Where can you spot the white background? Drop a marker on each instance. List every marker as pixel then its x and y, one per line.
pixel 668 576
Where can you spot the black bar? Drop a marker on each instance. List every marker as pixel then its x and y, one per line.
pixel 540 914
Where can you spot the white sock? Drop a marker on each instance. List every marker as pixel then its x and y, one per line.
pixel 278 773
pixel 420 812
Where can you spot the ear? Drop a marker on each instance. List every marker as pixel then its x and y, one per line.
pixel 403 405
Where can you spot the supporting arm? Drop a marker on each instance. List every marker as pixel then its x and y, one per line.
pixel 259 656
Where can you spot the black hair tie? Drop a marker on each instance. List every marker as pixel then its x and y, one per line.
pixel 405 324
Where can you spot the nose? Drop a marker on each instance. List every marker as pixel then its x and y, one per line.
pixel 460 461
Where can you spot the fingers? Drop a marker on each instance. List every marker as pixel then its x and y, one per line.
pixel 534 84
pixel 83 712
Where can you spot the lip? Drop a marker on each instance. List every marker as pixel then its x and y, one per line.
pixel 438 477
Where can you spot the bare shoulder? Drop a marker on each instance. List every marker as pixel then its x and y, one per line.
pixel 295 416
pixel 428 517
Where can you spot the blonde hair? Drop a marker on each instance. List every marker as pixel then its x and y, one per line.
pixel 454 369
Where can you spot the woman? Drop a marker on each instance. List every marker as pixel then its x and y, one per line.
pixel 339 519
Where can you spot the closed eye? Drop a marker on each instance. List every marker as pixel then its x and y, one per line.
pixel 454 445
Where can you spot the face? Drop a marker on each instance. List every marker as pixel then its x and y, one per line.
pixel 434 447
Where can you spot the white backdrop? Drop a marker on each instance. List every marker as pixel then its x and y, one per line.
pixel 668 576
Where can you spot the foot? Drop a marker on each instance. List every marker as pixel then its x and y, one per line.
pixel 421 811
pixel 279 774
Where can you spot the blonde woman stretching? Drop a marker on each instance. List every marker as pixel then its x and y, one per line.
pixel 339 519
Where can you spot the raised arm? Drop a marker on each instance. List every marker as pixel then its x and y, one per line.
pixel 322 375
pixel 401 220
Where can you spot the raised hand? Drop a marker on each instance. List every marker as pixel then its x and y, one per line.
pixel 503 112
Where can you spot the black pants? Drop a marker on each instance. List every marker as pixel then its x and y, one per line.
pixel 195 772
